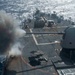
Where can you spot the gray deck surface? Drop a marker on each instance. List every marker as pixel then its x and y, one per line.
pixel 44 43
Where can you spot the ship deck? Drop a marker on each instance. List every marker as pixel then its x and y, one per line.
pixel 49 44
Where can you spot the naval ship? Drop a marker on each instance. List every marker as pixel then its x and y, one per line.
pixel 48 47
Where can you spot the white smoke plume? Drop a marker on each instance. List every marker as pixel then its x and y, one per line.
pixel 9 33
pixel 19 32
pixel 15 50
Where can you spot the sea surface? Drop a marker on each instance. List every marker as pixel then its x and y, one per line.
pixel 22 9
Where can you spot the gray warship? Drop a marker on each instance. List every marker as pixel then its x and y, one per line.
pixel 43 52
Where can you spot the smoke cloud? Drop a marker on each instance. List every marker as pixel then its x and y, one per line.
pixel 9 33
pixel 15 50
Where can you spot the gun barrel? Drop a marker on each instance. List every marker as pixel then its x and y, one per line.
pixel 46 33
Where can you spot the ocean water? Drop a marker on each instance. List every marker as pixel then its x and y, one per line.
pixel 21 9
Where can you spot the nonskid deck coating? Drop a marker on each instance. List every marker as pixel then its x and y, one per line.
pixel 21 66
